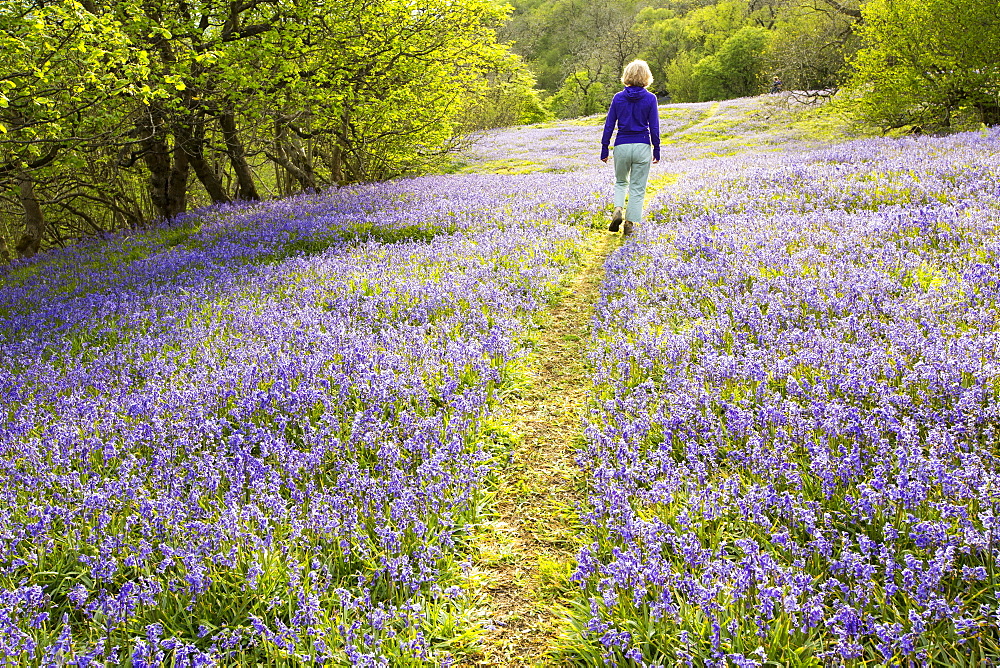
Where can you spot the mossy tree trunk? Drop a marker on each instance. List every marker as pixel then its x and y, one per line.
pixel 34 221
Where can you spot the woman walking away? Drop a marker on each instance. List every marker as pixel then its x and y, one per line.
pixel 634 110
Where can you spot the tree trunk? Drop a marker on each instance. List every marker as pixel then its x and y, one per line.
pixel 846 11
pixel 168 167
pixel 209 179
pixel 292 169
pixel 177 188
pixel 305 165
pixel 156 156
pixel 337 164
pixel 4 253
pixel 337 158
pixel 157 159
pixel 990 112
pixel 193 142
pixel 289 156
pixel 34 222
pixel 237 157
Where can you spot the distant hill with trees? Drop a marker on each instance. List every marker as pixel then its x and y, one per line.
pixel 699 50
pixel 933 65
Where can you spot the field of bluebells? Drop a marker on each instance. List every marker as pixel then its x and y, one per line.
pixel 792 449
pixel 256 436
pixel 253 436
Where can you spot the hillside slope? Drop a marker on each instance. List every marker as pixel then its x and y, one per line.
pixel 315 430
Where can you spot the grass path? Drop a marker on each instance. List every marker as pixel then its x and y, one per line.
pixel 523 557
pixel 703 117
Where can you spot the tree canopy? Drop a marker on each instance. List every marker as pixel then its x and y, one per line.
pixel 929 63
pixel 117 112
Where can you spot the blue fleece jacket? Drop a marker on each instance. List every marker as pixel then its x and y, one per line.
pixel 634 110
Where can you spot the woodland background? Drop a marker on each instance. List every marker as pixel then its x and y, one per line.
pixel 117 114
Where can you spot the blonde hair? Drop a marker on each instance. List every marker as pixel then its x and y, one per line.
pixel 637 74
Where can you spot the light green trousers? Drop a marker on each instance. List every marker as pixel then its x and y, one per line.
pixel 631 173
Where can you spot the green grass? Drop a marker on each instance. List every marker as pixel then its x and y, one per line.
pixel 503 166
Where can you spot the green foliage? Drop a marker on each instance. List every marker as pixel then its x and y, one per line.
pixel 63 71
pixel 734 44
pixel 709 26
pixel 680 78
pixel 709 79
pixel 380 89
pixel 580 95
pixel 809 50
pixel 929 62
pixel 117 112
pixel 742 60
pixel 736 70
pixel 665 35
pixel 568 42
pixel 510 99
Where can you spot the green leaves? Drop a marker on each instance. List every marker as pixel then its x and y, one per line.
pixel 56 61
pixel 114 107
pixel 929 63
pixel 176 81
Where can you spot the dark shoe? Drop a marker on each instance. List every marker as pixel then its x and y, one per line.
pixel 616 220
pixel 629 228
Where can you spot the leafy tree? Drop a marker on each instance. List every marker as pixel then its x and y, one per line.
pixel 401 96
pixel 709 80
pixel 511 98
pixel 928 62
pixel 117 112
pixel 710 26
pixel 64 74
pixel 573 45
pixel 742 60
pixel 737 69
pixel 581 94
pixel 811 46
pixel 807 43
pixel 680 79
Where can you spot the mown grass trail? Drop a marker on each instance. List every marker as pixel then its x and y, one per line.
pixel 524 554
